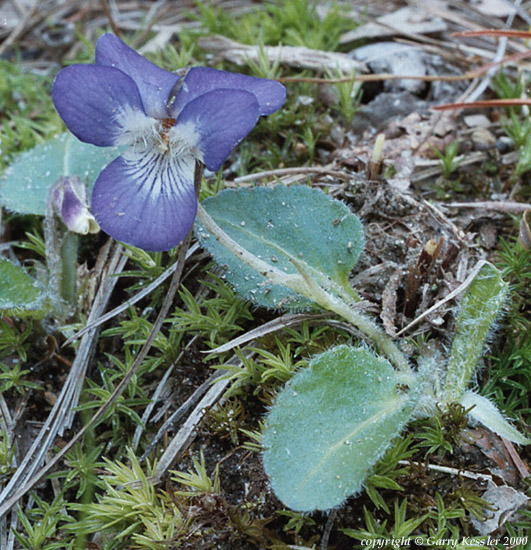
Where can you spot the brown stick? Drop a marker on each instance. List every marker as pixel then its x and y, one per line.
pixel 108 14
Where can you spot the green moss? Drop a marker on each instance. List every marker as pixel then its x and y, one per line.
pixel 288 22
pixel 27 114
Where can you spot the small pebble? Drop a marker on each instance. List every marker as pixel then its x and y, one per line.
pixel 477 121
pixel 483 139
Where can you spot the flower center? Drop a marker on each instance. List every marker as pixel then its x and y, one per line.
pixel 167 125
pixel 164 137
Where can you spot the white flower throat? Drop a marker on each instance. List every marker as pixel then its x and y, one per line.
pixel 147 134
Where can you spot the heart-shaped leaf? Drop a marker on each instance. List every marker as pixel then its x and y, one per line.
pixel 25 182
pixel 330 425
pixel 283 226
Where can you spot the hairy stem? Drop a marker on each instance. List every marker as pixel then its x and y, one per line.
pixel 69 251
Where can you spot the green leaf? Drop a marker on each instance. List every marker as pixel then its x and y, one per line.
pixel 486 412
pixel 479 308
pixel 330 425
pixel 19 293
pixel 25 182
pixel 283 225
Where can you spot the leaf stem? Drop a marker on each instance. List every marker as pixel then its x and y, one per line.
pixel 304 284
pixel 366 325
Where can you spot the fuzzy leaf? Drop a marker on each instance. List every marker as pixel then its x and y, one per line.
pixel 479 308
pixel 486 412
pixel 280 225
pixel 19 293
pixel 25 182
pixel 330 425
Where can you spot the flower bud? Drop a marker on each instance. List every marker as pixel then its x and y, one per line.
pixel 69 198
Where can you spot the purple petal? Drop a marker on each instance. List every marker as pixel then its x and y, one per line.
pixel 98 103
pixel 147 200
pixel 154 83
pixel 75 214
pixel 220 120
pixel 200 80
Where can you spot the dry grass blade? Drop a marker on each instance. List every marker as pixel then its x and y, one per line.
pixel 290 171
pixel 183 437
pixel 180 412
pixel 108 13
pixel 186 433
pixel 142 294
pixel 161 386
pixel 62 412
pixel 459 234
pixel 271 326
pixel 524 232
pixel 517 461
pixel 30 481
pixel 19 29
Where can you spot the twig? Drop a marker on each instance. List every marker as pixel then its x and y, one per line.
pixel 377 77
pixel 289 171
pixel 517 461
pixel 455 230
pixel 501 206
pixel 434 168
pixel 495 32
pixel 108 13
pixel 500 53
pixel 20 7
pixel 448 470
pixel 19 29
pixel 483 104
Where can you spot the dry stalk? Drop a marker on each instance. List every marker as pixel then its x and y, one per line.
pixel 61 415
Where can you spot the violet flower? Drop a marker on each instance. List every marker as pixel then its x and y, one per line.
pixel 146 196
